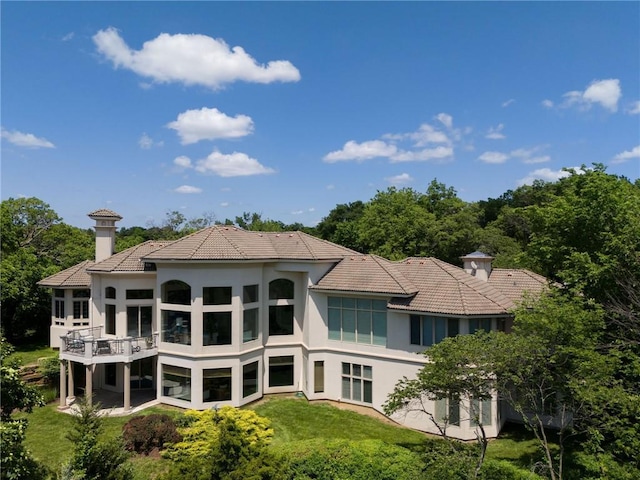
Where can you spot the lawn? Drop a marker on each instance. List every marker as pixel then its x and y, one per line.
pixel 291 419
pixel 29 354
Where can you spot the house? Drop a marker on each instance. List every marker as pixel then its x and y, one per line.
pixel 225 316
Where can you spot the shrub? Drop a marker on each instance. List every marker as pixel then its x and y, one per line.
pixel 145 433
pixel 503 470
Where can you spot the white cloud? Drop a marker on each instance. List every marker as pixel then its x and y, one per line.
pixel 606 93
pixel 508 102
pixel 627 155
pixel 236 164
pixel 426 134
pixel 28 140
pixel 547 103
pixel 493 157
pixel 191 59
pixel 545 174
pixel 297 212
pixel 146 142
pixel 209 124
pixel 438 153
pixel 633 108
pixel 445 119
pixel 224 204
pixel 68 37
pixel 495 133
pixel 527 155
pixel 188 189
pixel 182 161
pixel 331 187
pixel 361 151
pixel 312 209
pixel 401 179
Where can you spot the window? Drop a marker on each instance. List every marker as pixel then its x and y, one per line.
pixel 358 320
pixel 280 288
pixel 216 295
pixel 249 379
pixel 176 327
pixel 250 294
pixel 110 319
pixel 480 410
pixel 139 321
pixel 58 292
pixel 250 324
pixel 318 376
pixel 110 292
pixel 176 382
pixel 139 294
pixel 81 309
pixel 448 411
pixel 281 371
pixel 427 330
pixel 176 292
pixel 58 308
pixel 476 324
pixel 216 384
pixel 216 328
pixel 357 382
pixel 84 293
pixel 281 320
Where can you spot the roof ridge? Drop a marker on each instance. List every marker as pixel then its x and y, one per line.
pixel 224 228
pixel 306 244
pixel 390 268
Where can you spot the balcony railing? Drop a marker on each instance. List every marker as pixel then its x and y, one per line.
pixel 84 343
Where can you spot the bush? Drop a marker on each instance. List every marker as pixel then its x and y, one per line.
pixel 350 460
pixel 503 470
pixel 145 433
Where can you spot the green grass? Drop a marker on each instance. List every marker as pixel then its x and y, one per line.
pixel 29 354
pixel 292 420
pixel 296 419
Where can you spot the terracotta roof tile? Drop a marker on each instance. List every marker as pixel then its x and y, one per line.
pixel 129 260
pixel 446 289
pixel 232 243
pixel 516 283
pixel 367 273
pixel 75 276
pixel 106 213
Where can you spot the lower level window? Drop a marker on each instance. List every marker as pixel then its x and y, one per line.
pixel 176 382
pixel 480 412
pixel 249 379
pixel 216 384
pixel 357 382
pixel 448 411
pixel 281 371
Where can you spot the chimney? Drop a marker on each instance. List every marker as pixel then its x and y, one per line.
pixel 478 264
pixel 105 232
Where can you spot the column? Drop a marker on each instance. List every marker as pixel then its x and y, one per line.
pixel 127 387
pixel 88 387
pixel 72 389
pixel 63 384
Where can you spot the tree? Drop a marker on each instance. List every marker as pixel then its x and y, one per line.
pixel 341 225
pixel 222 444
pixel 16 461
pixel 545 367
pixel 459 369
pixel 395 224
pixel 93 458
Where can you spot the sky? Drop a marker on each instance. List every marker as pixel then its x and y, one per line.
pixel 288 109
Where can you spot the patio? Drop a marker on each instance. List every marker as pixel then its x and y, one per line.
pixel 112 403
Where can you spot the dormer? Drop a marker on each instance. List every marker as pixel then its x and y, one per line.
pixel 105 232
pixel 478 264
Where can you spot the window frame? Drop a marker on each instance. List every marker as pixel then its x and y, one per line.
pixel 357 320
pixel 428 330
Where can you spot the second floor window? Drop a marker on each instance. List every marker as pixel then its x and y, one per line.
pixel 359 320
pixel 427 330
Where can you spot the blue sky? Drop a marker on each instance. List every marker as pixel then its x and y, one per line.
pixel 288 109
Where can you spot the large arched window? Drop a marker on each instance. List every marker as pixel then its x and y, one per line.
pixel 280 288
pixel 176 292
pixel 110 292
pixel 281 307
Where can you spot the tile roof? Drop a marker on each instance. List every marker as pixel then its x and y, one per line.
pixel 514 284
pixel 75 276
pixel 447 289
pixel 367 273
pixel 105 213
pixel 231 243
pixel 129 260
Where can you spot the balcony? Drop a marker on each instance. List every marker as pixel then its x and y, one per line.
pixel 87 347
